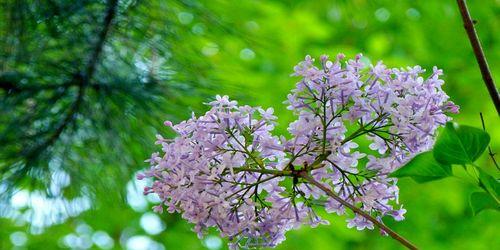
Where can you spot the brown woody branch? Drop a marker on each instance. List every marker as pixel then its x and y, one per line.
pixel 356 210
pixel 478 52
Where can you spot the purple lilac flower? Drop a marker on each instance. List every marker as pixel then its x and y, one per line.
pixel 225 169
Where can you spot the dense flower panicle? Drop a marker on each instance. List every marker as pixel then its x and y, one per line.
pixel 227 170
pixel 199 174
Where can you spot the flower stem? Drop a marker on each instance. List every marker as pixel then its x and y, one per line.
pixel 263 171
pixel 383 227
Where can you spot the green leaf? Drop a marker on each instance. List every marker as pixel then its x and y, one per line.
pixel 459 144
pixel 423 168
pixel 480 201
pixel 490 184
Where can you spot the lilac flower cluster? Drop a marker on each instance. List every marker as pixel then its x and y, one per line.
pixel 227 170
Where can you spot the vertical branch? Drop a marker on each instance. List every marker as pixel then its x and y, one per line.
pixel 356 210
pixel 478 52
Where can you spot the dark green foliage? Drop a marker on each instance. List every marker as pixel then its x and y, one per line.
pixel 84 85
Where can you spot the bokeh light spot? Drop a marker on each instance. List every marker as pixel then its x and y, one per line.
pixel 152 224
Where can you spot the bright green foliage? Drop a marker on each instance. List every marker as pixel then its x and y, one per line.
pixel 481 200
pixel 460 144
pixel 490 184
pixel 424 168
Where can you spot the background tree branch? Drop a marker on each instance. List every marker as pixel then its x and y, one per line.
pixel 478 52
pixel 65 83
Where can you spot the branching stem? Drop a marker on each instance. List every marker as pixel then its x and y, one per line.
pixel 356 210
pixel 305 175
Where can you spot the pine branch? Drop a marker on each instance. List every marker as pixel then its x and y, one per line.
pixel 11 85
pixel 94 58
pixel 83 81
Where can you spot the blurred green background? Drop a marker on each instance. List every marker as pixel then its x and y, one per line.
pixel 68 157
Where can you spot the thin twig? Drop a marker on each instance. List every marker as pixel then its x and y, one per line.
pixel 263 171
pixel 478 52
pixel 356 210
pixel 490 152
